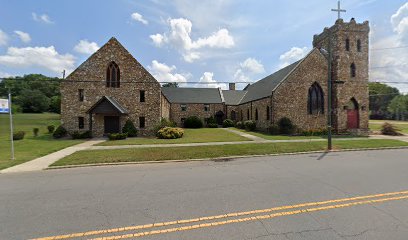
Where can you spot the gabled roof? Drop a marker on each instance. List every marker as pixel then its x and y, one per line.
pixel 233 97
pixel 107 105
pixel 192 95
pixel 264 87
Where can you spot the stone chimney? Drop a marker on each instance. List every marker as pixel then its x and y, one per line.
pixel 231 86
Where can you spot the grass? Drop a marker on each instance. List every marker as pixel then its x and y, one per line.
pixel 30 147
pixel 190 136
pixel 375 125
pixel 176 153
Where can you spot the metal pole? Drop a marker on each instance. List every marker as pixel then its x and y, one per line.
pixel 11 127
pixel 329 97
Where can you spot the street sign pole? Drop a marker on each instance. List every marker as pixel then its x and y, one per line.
pixel 11 127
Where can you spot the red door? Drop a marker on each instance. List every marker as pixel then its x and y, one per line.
pixel 352 119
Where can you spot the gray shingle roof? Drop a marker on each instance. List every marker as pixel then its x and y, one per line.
pixel 264 87
pixel 233 97
pixel 192 95
pixel 107 104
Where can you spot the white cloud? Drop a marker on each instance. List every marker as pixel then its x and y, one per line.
pixel 5 75
pixel 24 37
pixel 179 37
pixel 165 73
pixel 3 38
pixel 86 47
pixel 138 17
pixel 292 56
pixel 248 70
pixel 207 81
pixel 44 18
pixel 42 57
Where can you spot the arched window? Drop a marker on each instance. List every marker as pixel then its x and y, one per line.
pixel 315 101
pixel 247 114
pixel 347 44
pixel 113 75
pixel 268 117
pixel 242 116
pixel 256 114
pixel 233 115
pixel 353 70
pixel 358 45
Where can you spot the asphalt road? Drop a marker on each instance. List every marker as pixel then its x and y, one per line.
pixel 58 202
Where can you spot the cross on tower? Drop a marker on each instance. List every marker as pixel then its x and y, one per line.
pixel 338 10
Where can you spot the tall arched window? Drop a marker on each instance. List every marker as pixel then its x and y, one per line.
pixel 315 101
pixel 256 114
pixel 242 116
pixel 268 117
pixel 358 45
pixel 233 115
pixel 347 44
pixel 113 75
pixel 247 114
pixel 353 70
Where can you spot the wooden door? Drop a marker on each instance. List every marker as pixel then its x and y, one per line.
pixel 112 124
pixel 352 119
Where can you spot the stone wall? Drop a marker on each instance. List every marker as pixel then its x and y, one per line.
pixel 194 109
pixel 165 107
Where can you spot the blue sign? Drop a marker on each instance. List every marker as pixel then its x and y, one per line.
pixel 4 106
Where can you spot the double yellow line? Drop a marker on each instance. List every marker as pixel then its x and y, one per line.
pixel 212 221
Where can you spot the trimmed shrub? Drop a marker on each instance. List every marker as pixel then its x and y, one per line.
pixel 210 122
pixel 286 126
pixel 250 125
pixel 170 133
pixel 18 135
pixel 130 129
pixel 240 125
pixel 389 129
pixel 51 128
pixel 35 131
pixel 60 132
pixel 227 123
pixel 315 132
pixel 81 135
pixel 273 129
pixel 193 122
pixel 117 136
pixel 212 125
pixel 164 123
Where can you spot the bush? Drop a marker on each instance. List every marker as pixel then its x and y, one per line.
pixel 170 133
pixel 117 136
pixel 18 135
pixel 60 132
pixel 51 128
pixel 130 129
pixel 315 132
pixel 193 122
pixel 286 126
pixel 35 131
pixel 389 129
pixel 81 135
pixel 211 122
pixel 273 129
pixel 227 123
pixel 250 125
pixel 212 125
pixel 164 123
pixel 240 125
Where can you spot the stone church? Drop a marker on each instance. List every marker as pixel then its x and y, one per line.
pixel 112 86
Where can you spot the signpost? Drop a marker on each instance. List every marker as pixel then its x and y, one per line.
pixel 5 107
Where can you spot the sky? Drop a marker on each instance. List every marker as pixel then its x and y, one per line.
pixel 209 41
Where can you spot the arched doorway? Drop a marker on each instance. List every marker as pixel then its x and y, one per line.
pixel 219 117
pixel 353 118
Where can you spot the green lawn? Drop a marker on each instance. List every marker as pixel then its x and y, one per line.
pixel 190 136
pixel 375 125
pixel 283 137
pixel 175 153
pixel 30 147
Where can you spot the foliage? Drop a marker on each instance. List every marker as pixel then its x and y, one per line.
pixel 286 126
pixel 50 128
pixel 212 125
pixel 55 104
pixel 193 122
pixel 33 101
pixel 18 135
pixel 273 129
pixel 250 125
pixel 173 84
pixel 81 135
pixel 60 132
pixel 389 129
pixel 399 107
pixel 380 97
pixel 35 131
pixel 240 125
pixel 170 133
pixel 227 123
pixel 211 120
pixel 130 129
pixel 117 136
pixel 164 123
pixel 315 132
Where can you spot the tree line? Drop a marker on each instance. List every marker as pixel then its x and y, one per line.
pixel 387 102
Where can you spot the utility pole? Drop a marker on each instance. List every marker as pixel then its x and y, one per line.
pixel 11 126
pixel 329 95
pixel 63 74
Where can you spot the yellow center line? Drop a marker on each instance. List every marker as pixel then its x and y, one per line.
pixel 260 217
pixel 236 214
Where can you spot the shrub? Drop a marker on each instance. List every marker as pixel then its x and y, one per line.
pixel 170 133
pixel 130 129
pixel 273 129
pixel 389 129
pixel 81 135
pixel 117 136
pixel 18 135
pixel 227 123
pixel 212 125
pixel 240 125
pixel 164 123
pixel 250 125
pixel 211 122
pixel 193 122
pixel 315 132
pixel 51 128
pixel 60 132
pixel 286 126
pixel 35 131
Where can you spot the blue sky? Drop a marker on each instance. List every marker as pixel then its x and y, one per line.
pixel 184 40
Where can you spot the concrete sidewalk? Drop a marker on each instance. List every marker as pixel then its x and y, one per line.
pixel 43 162
pixel 246 135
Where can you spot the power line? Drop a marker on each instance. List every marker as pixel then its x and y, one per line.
pixel 387 48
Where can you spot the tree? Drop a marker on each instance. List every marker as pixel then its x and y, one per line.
pixel 380 97
pixel 399 107
pixel 173 84
pixel 33 101
pixel 55 104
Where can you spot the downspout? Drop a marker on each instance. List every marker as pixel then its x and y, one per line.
pixel 272 110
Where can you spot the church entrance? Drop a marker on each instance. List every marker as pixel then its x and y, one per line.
pixel 353 118
pixel 112 124
pixel 219 117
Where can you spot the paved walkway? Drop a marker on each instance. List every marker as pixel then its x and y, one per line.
pixel 249 136
pixel 401 138
pixel 43 162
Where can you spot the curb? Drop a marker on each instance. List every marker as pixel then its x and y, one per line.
pixel 218 158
